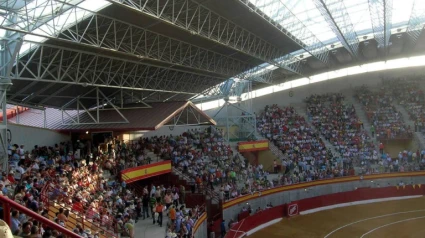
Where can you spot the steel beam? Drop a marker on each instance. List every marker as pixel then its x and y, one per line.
pixel 199 20
pixel 285 21
pixel 416 21
pixel 33 14
pixel 106 33
pixel 336 15
pixel 83 111
pixel 380 15
pixel 55 93
pixel 60 65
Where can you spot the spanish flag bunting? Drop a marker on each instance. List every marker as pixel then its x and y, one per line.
pixel 419 186
pixel 396 187
pixel 413 186
pixel 404 186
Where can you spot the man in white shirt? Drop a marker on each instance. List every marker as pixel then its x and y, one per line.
pixel 21 152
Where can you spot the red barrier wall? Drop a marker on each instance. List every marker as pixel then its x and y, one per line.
pixel 293 208
pixel 358 195
pixel 249 223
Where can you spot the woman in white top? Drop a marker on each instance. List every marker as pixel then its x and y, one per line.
pixel 176 198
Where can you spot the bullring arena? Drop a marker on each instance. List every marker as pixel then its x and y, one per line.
pixel 212 118
pixel 384 219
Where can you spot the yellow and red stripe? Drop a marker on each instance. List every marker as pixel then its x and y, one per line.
pixel 319 182
pixel 146 171
pixel 198 223
pixel 253 146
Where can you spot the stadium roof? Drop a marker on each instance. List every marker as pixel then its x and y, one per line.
pixel 130 119
pixel 162 50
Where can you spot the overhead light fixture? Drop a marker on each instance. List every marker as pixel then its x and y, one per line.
pixel 23 100
pixel 87 132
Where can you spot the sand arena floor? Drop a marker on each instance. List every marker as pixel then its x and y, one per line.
pixel 403 218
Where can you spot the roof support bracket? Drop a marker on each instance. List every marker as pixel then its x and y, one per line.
pixel 89 116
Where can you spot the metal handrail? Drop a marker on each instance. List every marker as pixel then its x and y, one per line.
pixel 214 195
pixel 9 203
pixel 139 190
pixel 45 198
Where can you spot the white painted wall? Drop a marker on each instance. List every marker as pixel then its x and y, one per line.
pixel 163 131
pixel 30 136
pixel 282 98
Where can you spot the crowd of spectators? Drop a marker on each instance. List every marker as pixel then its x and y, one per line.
pixel 199 153
pixel 338 123
pixel 306 157
pixel 386 120
pixel 72 183
pixel 409 94
pixel 301 145
pixel 71 177
pixel 58 178
pixel 211 164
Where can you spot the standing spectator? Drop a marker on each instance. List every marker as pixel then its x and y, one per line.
pixel 145 203
pixel 183 194
pixel 381 148
pixel 168 200
pixel 372 130
pixel 138 208
pixel 176 198
pixel 210 181
pixel 172 214
pixel 223 228
pixel 159 209
pixel 152 204
pixel 275 167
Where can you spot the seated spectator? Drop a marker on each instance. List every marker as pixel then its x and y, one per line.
pixel 387 121
pixel 339 124
pixel 301 145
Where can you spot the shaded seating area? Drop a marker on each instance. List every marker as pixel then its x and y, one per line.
pixel 382 114
pixel 338 123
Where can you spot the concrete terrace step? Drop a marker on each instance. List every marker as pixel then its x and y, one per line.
pixel 301 111
pixel 421 139
pixel 361 114
pixel 404 115
pixel 418 136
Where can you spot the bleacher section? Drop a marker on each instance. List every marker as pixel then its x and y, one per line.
pixel 339 124
pixel 95 200
pixel 387 121
pixel 289 131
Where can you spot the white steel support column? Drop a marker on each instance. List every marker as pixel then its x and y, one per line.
pixel 8 54
pixel 3 130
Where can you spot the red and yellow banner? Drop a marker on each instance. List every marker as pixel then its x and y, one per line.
pixel 253 146
pixel 146 171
